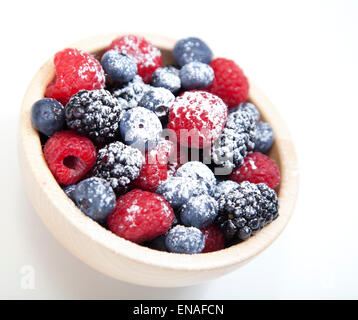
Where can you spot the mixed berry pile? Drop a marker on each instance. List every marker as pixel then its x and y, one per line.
pixel 171 157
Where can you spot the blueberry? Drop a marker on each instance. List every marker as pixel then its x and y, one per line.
pixel 192 49
pixel 181 239
pixel 168 78
pixel 140 128
pixel 224 187
pixel 247 107
pixel 158 243
pixel 158 100
pixel 95 198
pixel 199 211
pixel 69 190
pixel 196 75
pixel 264 137
pixel 178 190
pixel 197 170
pixel 48 116
pixel 118 66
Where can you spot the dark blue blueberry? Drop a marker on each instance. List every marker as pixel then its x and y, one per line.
pixel 158 243
pixel 264 137
pixel 178 190
pixel 69 190
pixel 118 66
pixel 200 172
pixel 132 92
pixel 181 239
pixel 168 78
pixel 158 100
pixel 48 116
pixel 95 198
pixel 199 211
pixel 249 108
pixel 196 75
pixel 192 49
pixel 140 128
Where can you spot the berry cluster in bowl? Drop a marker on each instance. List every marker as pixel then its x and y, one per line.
pixel 171 157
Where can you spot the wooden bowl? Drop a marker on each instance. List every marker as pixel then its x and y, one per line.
pixel 115 256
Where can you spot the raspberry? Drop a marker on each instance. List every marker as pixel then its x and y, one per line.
pixel 230 83
pixel 197 118
pixel 69 156
pixel 140 216
pixel 258 168
pixel 75 70
pixel 150 176
pixel 154 170
pixel 147 57
pixel 214 239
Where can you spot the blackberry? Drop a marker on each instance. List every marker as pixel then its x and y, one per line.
pixel 95 114
pixel 246 209
pixel 235 142
pixel 132 92
pixel 119 164
pixel 243 122
pixel 269 204
pixel 248 107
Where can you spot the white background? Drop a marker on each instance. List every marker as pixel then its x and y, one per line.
pixel 302 54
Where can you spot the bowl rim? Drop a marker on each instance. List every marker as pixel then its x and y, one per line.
pixel 236 254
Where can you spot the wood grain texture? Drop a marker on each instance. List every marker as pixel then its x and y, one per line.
pixel 118 257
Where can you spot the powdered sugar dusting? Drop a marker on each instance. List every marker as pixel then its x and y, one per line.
pixel 205 112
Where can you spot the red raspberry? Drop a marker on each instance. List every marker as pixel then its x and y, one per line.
pixel 197 118
pixel 75 70
pixel 177 158
pixel 140 216
pixel 148 57
pixel 229 83
pixel 69 156
pixel 257 168
pixel 155 168
pixel 214 239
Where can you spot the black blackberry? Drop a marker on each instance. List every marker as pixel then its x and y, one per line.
pixel 246 209
pixel 269 204
pixel 235 142
pixel 119 164
pixel 95 114
pixel 132 92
